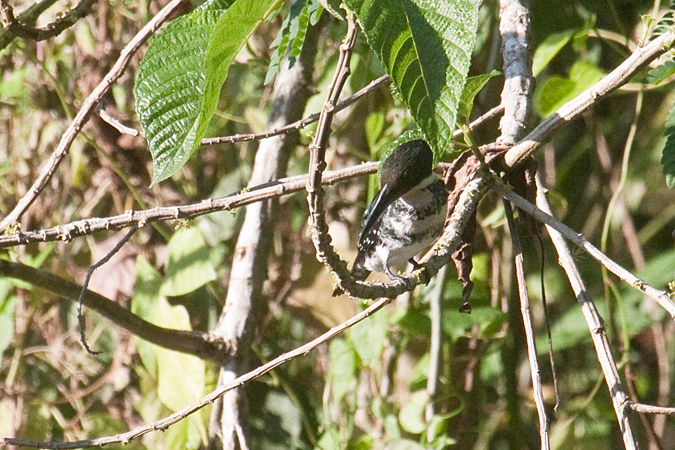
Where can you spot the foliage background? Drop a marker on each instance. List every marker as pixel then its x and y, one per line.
pixel 367 388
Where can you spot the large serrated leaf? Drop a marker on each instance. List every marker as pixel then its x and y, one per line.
pixel 181 75
pixel 425 46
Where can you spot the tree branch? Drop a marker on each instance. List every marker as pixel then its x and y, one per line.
pixel 594 321
pixel 29 16
pixel 249 265
pixel 514 26
pixel 163 424
pixel 141 218
pixel 619 76
pixel 660 297
pixel 181 341
pixel 55 28
pixel 527 325
pixel 83 115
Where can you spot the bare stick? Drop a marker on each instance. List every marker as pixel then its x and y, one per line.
pixel 90 272
pixel 317 163
pixel 86 109
pixel 116 124
pixel 297 125
pixel 594 321
pixel 163 424
pixel 660 297
pixel 638 59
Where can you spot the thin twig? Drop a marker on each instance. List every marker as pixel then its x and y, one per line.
pixel 89 104
pixel 141 218
pixel 300 123
pixel 90 272
pixel 297 125
pixel 527 325
pixel 651 409
pixel 116 124
pixel 163 424
pixel 638 59
pixel 660 297
pixel 435 347
pixel 594 321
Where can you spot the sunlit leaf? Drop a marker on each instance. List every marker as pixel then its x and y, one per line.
pixel 342 367
pixel 548 49
pixel 188 266
pixel 556 90
pixel 181 75
pixel 411 416
pixel 661 72
pixel 472 87
pixel 368 337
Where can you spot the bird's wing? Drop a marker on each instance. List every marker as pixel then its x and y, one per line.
pixel 382 200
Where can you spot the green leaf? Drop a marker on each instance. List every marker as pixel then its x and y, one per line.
pixel 660 73
pixel 411 416
pixel 488 319
pixel 368 337
pixel 342 367
pixel 143 304
pixel 333 7
pixel 292 34
pixel 472 87
pixel 426 49
pixel 7 309
pixel 548 49
pixel 188 266
pixel 556 90
pixel 180 77
pixel 180 377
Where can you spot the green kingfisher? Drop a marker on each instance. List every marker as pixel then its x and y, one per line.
pixel 406 216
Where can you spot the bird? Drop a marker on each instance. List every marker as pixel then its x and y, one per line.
pixel 406 216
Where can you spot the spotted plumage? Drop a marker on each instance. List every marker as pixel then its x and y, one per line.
pixel 406 216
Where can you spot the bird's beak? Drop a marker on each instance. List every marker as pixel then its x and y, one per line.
pixel 382 200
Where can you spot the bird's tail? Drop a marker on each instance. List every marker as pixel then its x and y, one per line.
pixel 358 272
